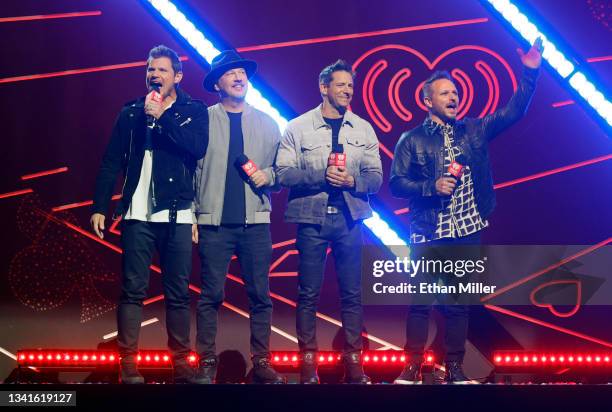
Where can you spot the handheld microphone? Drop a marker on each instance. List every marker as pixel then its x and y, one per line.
pixel 155 96
pixel 456 168
pixel 247 165
pixel 337 157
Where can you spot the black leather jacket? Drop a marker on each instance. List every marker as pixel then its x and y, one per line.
pixel 179 139
pixel 419 159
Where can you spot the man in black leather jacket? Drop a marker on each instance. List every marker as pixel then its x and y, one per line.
pixel 157 141
pixel 448 208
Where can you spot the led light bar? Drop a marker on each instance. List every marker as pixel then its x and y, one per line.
pixel 78 358
pixel 196 39
pixel 561 63
pixel 329 358
pixel 546 359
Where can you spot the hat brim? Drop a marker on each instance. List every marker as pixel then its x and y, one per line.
pixel 211 78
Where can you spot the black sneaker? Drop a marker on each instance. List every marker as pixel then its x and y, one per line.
pixel 308 368
pixel 353 369
pixel 183 372
pixel 411 375
pixel 454 375
pixel 264 373
pixel 129 371
pixel 207 371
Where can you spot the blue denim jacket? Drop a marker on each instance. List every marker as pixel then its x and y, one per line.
pixel 301 162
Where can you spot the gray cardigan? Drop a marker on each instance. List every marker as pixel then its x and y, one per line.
pixel 261 138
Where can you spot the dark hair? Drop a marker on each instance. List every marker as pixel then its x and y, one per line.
pixel 325 77
pixel 437 75
pixel 163 51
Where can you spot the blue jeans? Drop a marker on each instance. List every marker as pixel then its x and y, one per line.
pixel 252 245
pixel 139 239
pixel 312 243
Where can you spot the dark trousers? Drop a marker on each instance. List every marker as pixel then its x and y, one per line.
pixel 139 240
pixel 252 245
pixel 312 243
pixel 456 317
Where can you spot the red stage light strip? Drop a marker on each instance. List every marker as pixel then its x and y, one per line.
pixel 77 71
pixel 547 269
pixel 548 325
pixel 361 35
pixel 50 16
pixel 531 359
pixel 553 171
pixel 390 357
pixel 563 103
pixel 90 235
pixel 79 204
pixel 598 59
pixel 15 193
pixel 536 176
pixel 45 173
pixel 113 228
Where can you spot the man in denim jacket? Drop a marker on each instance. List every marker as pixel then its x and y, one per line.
pixel 328 201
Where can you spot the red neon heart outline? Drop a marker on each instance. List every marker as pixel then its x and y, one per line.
pixel 403 113
pixel 551 307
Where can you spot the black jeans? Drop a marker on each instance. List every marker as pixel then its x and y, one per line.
pixel 252 245
pixel 312 243
pixel 456 317
pixel 139 239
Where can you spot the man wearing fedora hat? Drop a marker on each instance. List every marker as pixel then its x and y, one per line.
pixel 233 184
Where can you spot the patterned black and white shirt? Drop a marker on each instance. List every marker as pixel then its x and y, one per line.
pixel 460 216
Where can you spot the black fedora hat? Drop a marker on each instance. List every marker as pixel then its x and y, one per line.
pixel 228 59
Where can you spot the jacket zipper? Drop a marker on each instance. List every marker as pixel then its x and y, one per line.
pixel 127 166
pixel 153 182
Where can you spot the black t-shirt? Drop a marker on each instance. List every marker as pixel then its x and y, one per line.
pixel 335 195
pixel 234 209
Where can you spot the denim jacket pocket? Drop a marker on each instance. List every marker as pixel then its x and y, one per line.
pixel 315 155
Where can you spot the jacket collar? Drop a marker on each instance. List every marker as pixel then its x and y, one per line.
pixel 318 121
pixel 431 127
pixel 247 109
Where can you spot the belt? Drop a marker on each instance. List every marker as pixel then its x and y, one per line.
pixel 332 210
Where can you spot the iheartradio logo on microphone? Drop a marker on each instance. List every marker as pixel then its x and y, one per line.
pixel 455 170
pixel 337 159
pixel 249 168
pixel 155 96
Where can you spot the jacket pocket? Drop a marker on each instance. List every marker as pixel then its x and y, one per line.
pixel 315 155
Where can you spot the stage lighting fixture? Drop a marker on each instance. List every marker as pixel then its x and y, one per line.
pixel 560 62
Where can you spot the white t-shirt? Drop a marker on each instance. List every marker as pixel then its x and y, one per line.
pixel 142 200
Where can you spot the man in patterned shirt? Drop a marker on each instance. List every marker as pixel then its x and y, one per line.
pixel 450 208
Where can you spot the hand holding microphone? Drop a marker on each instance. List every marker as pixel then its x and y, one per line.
pixel 256 176
pixel 153 105
pixel 336 173
pixel 450 179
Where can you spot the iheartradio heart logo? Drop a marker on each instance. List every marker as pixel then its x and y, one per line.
pixel 552 287
pixel 398 73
